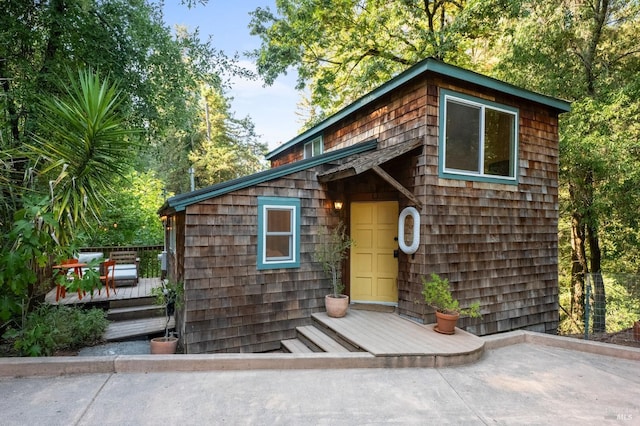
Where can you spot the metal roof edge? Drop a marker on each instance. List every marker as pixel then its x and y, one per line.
pixel 429 64
pixel 180 202
pixel 499 85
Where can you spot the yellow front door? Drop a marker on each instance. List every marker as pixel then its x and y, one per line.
pixel 374 269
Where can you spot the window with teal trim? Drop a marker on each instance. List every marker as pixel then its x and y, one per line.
pixel 478 139
pixel 278 232
pixel 313 148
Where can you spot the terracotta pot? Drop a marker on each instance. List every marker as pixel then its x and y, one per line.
pixel 164 345
pixel 636 331
pixel 336 306
pixel 446 323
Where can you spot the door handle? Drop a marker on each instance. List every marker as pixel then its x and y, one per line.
pixel 396 253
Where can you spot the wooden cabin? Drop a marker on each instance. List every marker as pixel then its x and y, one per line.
pixel 475 157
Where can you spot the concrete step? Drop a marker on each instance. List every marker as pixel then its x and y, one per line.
pixel 318 341
pixel 295 346
pixel 135 312
pixel 124 330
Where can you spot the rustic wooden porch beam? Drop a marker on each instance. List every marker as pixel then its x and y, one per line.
pixel 397 185
pixel 341 174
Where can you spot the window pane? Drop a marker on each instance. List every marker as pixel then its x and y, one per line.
pixel 499 128
pixel 308 150
pixel 463 137
pixel 278 246
pixel 278 220
pixel 317 147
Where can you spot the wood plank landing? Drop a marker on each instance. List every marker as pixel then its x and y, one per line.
pixel 142 289
pixel 388 334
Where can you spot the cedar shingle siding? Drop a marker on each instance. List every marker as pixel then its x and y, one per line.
pixel 496 243
pixel 231 306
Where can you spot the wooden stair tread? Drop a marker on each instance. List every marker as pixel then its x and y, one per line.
pixel 120 330
pixel 295 346
pixel 319 338
pixel 135 309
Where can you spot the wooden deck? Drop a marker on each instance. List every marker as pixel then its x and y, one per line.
pixel 141 290
pixel 129 300
pixel 387 334
pixel 384 335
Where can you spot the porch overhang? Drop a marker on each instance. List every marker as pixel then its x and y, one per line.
pixel 373 161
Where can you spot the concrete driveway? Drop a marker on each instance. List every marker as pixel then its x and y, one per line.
pixel 522 383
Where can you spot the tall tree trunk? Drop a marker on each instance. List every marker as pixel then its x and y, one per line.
pixel 599 300
pixel 5 82
pixel 57 10
pixel 579 267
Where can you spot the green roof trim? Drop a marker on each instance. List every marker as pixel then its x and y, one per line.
pixel 180 202
pixel 427 65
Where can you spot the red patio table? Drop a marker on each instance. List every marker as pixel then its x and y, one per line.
pixel 61 291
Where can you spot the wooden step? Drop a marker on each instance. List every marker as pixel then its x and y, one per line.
pixel 347 343
pixel 136 301
pixel 294 346
pixel 318 341
pixel 135 312
pixel 123 330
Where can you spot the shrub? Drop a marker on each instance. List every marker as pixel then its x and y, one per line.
pixel 53 328
pixel 437 295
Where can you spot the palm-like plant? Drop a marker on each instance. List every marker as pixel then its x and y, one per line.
pixel 84 144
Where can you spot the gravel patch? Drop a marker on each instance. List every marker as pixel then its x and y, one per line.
pixel 133 347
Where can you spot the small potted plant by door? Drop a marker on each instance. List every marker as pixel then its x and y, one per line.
pixel 168 295
pixel 330 253
pixel 437 295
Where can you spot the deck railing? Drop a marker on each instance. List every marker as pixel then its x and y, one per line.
pixel 148 255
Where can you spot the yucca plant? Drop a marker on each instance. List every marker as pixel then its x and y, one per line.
pixel 82 144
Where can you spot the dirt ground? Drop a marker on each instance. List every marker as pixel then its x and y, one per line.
pixel 623 338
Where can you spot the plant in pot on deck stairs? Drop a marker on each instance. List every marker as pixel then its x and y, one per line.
pixel 437 294
pixel 169 295
pixel 330 253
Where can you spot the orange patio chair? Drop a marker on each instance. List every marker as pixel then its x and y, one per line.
pixel 109 275
pixel 61 291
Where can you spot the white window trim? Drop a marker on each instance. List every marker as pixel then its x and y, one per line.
pixel 266 260
pixel 276 203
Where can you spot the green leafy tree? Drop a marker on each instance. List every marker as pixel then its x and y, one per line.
pixel 26 252
pixel 227 148
pixel 160 74
pixel 81 145
pixel 343 49
pixel 130 213
pixel 586 52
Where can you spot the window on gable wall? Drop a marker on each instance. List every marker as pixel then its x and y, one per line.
pixel 478 139
pixel 313 147
pixel 278 232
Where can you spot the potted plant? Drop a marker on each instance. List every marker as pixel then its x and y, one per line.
pixel 169 295
pixel 330 253
pixel 437 295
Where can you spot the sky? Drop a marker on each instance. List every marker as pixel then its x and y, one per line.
pixel 272 108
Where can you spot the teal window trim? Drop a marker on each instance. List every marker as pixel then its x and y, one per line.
pixel 483 104
pixel 278 203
